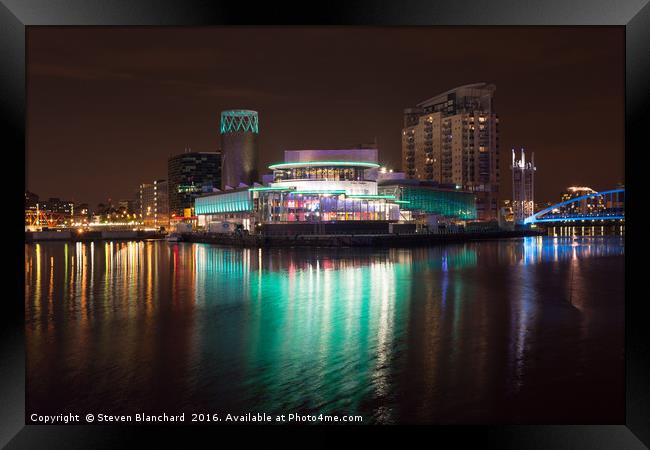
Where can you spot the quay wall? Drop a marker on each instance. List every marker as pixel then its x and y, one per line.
pixel 351 240
pixel 73 235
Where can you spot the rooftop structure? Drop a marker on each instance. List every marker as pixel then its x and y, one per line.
pixel 239 129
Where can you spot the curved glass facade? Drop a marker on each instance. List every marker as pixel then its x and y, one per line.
pixel 454 204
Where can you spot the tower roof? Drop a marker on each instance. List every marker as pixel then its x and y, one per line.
pixel 467 87
pixel 239 120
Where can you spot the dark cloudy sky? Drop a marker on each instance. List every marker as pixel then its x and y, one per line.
pixel 108 106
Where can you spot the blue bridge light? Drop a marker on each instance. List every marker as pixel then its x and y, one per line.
pixel 547 214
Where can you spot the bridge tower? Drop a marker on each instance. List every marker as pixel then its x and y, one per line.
pixel 523 186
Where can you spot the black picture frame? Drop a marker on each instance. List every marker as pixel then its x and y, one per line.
pixel 634 15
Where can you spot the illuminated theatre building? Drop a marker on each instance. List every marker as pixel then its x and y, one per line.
pixel 311 186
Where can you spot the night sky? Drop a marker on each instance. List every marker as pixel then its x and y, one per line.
pixel 108 106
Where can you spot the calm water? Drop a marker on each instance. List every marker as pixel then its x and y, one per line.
pixel 526 330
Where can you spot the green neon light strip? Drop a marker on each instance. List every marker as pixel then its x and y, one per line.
pixel 320 192
pixel 388 197
pixel 292 190
pixel 272 188
pixel 295 165
pixel 402 201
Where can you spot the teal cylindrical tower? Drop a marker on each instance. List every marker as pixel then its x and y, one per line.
pixel 239 130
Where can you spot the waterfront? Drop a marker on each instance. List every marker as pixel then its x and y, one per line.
pixel 523 330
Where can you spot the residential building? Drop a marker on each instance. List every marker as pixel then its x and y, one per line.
pixel 452 138
pixel 154 204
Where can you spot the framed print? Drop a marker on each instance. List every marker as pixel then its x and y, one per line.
pixel 275 219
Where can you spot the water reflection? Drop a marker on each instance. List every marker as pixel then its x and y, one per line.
pixel 476 332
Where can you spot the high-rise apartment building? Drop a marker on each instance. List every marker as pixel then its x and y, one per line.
pixel 453 139
pixel 190 175
pixel 154 204
pixel 523 186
